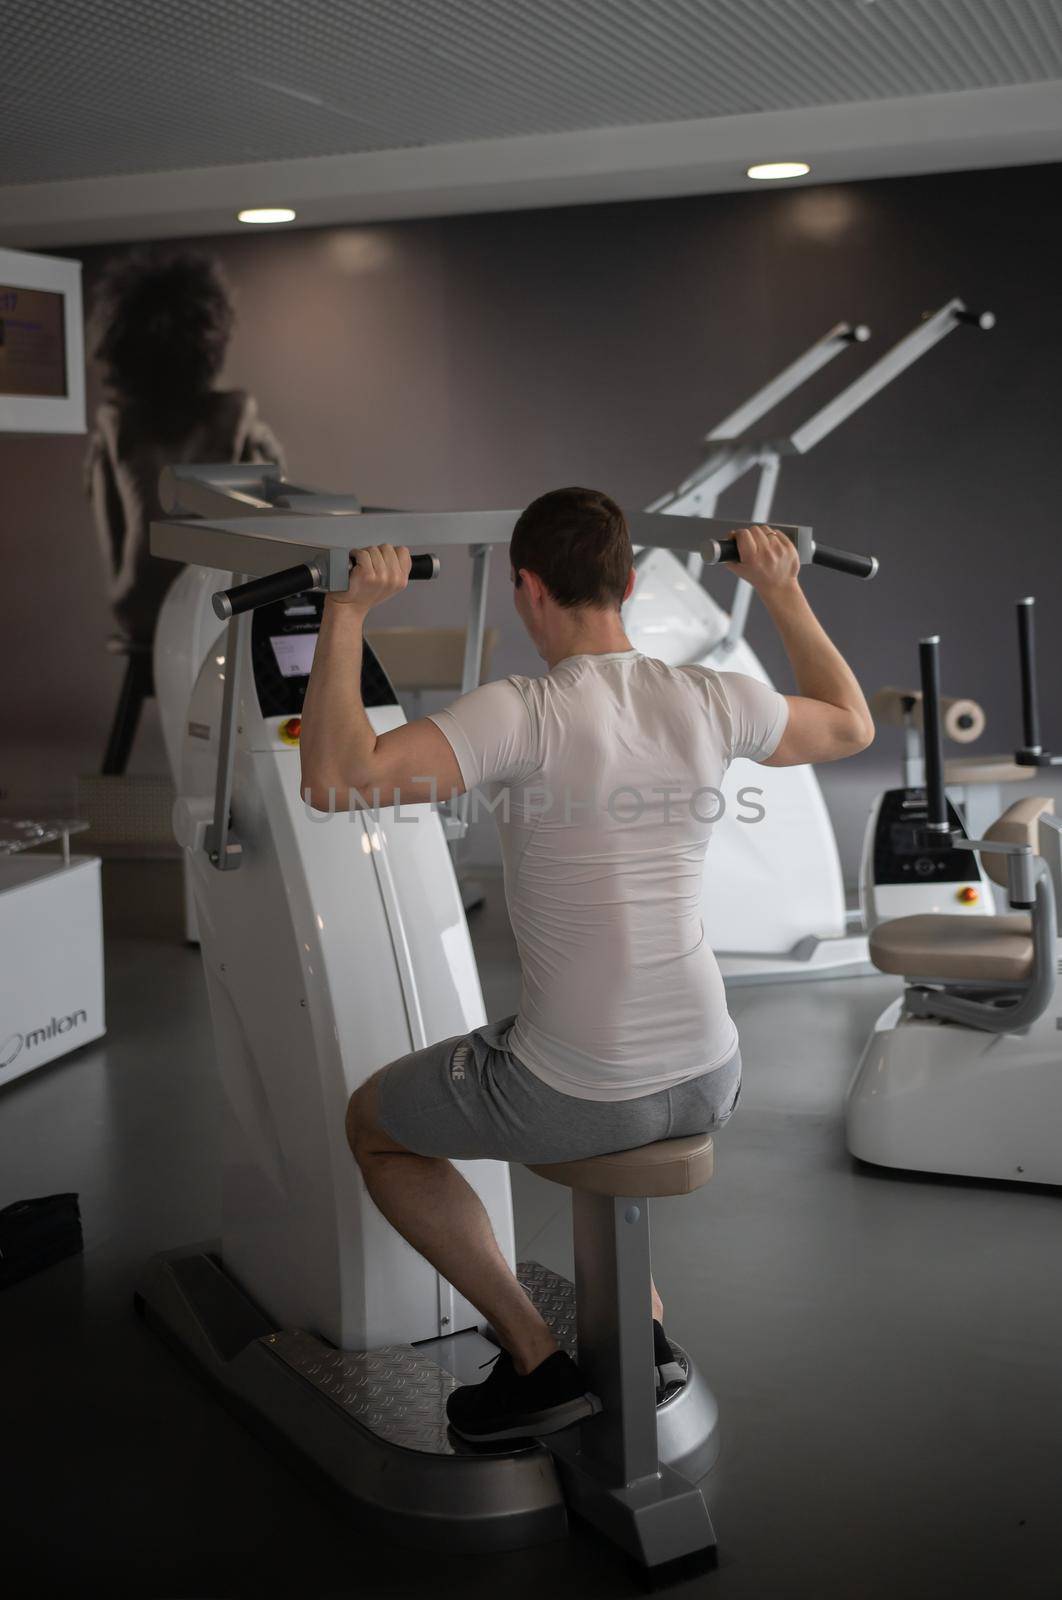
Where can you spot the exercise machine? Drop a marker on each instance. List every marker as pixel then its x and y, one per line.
pixel 332 945
pixel 963 1073
pixel 189 628
pixel 774 901
pixel 51 934
pixel 897 878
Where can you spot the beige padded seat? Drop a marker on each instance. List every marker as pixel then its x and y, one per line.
pixel 970 948
pixel 671 1166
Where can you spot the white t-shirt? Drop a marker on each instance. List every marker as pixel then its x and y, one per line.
pixel 603 778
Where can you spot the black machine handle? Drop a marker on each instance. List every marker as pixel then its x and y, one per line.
pixel 822 555
pixel 977 319
pixel 932 736
pixel 293 580
pixel 1031 752
pixel 1030 708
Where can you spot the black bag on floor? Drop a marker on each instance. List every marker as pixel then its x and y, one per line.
pixel 34 1233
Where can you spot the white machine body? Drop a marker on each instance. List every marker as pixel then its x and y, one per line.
pixel 932 1096
pixel 337 945
pixel 187 629
pixel 774 901
pixel 51 978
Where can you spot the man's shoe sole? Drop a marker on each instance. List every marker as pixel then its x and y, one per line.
pixel 535 1423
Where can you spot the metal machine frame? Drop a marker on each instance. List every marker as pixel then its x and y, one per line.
pixel 293 538
pixel 735 451
pixel 785 949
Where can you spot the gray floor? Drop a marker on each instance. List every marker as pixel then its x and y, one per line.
pixel 886 1351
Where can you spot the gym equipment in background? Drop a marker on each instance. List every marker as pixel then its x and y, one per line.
pixel 897 877
pixel 976 782
pixel 51 934
pixel 332 946
pixel 963 1073
pixel 774 897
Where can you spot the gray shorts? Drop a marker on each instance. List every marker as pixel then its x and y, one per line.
pixel 469 1097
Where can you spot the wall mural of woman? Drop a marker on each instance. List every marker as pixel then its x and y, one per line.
pixel 160 329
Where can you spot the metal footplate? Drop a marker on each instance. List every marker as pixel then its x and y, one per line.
pixel 374 1422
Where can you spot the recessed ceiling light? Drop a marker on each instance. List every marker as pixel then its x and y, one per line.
pixel 266 214
pixel 779 169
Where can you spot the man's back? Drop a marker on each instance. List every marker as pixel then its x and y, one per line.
pixel 604 779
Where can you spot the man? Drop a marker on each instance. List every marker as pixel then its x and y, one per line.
pixel 603 776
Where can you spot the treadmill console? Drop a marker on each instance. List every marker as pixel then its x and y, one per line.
pixel 900 855
pixel 283 639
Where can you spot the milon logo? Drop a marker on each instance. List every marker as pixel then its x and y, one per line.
pixel 16 1042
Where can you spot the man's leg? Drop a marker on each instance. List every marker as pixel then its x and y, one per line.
pixel 442 1216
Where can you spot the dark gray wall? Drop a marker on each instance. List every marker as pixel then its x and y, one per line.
pixel 476 361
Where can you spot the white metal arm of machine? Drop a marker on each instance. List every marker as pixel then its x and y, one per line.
pixel 733 451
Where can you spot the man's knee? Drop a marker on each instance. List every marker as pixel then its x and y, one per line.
pixel 365 1136
pixel 361 1117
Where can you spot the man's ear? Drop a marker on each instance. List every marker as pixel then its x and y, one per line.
pixel 532 586
pixel 628 591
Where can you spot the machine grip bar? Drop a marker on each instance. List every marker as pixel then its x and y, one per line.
pixel 856 566
pixel 932 739
pixel 1030 707
pixel 293 580
pixel 822 555
pixel 977 319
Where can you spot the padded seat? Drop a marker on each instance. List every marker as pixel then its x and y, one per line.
pixel 971 949
pixel 671 1166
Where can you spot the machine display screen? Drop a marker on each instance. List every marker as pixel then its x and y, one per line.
pixel 902 853
pixel 283 640
pixel 294 653
pixel 32 343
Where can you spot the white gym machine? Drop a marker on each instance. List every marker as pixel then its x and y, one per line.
pixel 332 946
pixel 896 879
pixel 51 914
pixel 774 904
pixel 963 1073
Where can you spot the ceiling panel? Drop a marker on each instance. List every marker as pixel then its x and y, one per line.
pixel 90 88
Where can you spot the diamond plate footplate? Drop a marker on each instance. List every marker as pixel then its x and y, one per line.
pixel 396 1392
pixel 554 1298
pixel 401 1394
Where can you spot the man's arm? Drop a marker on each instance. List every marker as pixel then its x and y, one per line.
pixel 344 763
pixel 829 718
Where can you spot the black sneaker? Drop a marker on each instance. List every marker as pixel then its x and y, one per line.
pixel 670 1371
pixel 508 1406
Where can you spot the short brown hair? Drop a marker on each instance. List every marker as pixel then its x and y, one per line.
pixel 578 543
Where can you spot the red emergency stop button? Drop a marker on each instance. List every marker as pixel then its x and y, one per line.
pixel 969 896
pixel 289 731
